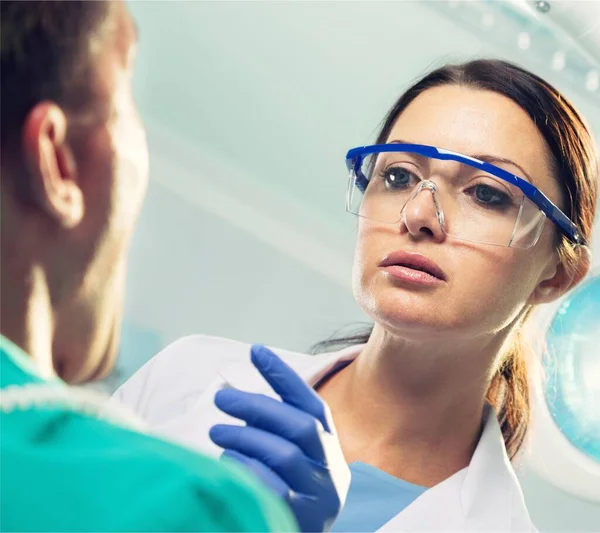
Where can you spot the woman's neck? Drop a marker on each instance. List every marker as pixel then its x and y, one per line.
pixel 413 409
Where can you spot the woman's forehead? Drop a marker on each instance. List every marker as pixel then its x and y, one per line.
pixel 476 122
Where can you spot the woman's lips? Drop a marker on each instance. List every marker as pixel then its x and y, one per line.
pixel 411 275
pixel 413 267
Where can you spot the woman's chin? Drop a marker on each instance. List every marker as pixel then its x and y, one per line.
pixel 415 316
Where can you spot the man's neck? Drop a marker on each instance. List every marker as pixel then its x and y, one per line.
pixel 26 314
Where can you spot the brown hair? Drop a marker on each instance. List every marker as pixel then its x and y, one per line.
pixel 575 165
pixel 47 51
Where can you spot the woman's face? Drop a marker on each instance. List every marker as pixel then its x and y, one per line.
pixel 485 287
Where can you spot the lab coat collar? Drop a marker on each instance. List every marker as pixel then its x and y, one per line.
pixel 245 377
pixel 485 496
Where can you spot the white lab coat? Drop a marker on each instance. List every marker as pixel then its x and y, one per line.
pixel 174 393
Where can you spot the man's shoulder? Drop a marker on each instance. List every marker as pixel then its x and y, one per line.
pixel 126 480
pixel 15 366
pixel 201 492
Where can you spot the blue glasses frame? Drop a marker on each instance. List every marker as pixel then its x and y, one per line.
pixel 355 156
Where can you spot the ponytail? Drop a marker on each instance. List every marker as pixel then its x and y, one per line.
pixel 509 395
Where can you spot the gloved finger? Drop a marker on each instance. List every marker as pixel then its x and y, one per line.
pixel 264 473
pixel 288 384
pixel 282 419
pixel 283 457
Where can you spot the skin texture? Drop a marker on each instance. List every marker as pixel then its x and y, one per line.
pixel 424 373
pixel 65 239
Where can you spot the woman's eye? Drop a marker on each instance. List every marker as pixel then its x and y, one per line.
pixel 398 177
pixel 488 195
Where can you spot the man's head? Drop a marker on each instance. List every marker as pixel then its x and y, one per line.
pixel 74 170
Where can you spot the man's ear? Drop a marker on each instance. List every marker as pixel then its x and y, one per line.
pixel 51 168
pixel 563 278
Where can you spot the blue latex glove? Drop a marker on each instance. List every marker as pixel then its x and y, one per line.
pixel 290 445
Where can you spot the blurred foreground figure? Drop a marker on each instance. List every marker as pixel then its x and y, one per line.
pixel 73 174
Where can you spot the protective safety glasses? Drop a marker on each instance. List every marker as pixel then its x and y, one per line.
pixel 473 200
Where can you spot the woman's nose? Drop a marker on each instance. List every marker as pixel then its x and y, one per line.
pixel 422 215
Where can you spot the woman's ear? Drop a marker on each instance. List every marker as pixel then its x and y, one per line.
pixel 563 277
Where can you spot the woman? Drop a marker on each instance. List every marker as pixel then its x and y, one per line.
pixel 475 205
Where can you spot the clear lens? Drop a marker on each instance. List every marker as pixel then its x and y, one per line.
pixel 477 206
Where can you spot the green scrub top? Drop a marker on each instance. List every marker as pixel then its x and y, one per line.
pixel 64 470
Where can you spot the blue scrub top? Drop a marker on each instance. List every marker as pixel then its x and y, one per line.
pixel 374 498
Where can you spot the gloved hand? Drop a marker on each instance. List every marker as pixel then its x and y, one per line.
pixel 290 445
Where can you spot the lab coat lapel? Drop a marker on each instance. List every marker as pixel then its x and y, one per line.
pixel 491 494
pixel 485 496
pixel 437 509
